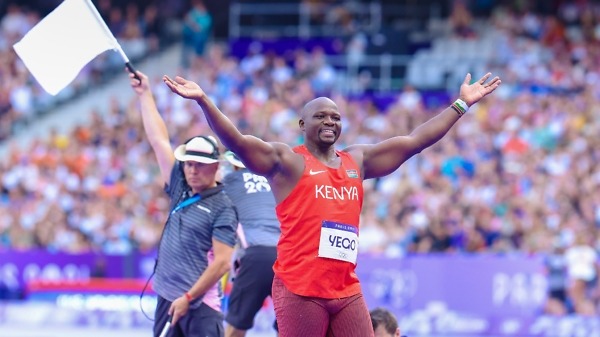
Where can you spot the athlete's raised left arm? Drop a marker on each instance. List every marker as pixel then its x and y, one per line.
pixel 383 158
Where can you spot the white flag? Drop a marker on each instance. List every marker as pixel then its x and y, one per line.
pixel 62 43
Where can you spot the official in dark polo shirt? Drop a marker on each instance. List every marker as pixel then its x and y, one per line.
pixel 196 247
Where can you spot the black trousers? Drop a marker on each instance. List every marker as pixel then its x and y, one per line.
pixel 203 321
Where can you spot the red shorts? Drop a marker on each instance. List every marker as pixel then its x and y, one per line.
pixel 319 317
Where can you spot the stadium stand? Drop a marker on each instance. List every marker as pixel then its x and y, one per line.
pixel 518 175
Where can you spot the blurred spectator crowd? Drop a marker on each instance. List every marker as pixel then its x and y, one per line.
pixel 518 174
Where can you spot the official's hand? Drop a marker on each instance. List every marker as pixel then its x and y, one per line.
pixel 139 87
pixel 183 87
pixel 178 309
pixel 472 93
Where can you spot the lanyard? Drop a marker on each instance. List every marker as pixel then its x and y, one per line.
pixel 186 203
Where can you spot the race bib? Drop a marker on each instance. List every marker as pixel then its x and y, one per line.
pixel 338 241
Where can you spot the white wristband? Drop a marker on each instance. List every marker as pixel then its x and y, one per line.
pixel 462 104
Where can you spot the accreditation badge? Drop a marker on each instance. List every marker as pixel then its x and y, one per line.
pixel 338 241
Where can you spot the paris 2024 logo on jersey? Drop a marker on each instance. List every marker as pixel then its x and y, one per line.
pixel 255 183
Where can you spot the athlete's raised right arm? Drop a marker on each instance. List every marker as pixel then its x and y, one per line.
pixel 261 157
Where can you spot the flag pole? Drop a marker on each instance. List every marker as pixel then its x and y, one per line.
pixel 165 329
pixel 114 40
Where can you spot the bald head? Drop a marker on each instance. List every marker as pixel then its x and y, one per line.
pixel 317 104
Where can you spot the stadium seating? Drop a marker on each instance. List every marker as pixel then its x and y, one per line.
pixel 519 174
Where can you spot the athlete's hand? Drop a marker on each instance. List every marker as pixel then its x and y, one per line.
pixel 179 308
pixel 183 87
pixel 472 93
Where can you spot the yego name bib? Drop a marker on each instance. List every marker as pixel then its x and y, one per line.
pixel 338 241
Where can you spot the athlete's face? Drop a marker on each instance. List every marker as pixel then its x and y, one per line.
pixel 321 121
pixel 200 176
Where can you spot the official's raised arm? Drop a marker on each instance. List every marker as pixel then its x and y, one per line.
pixel 154 125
